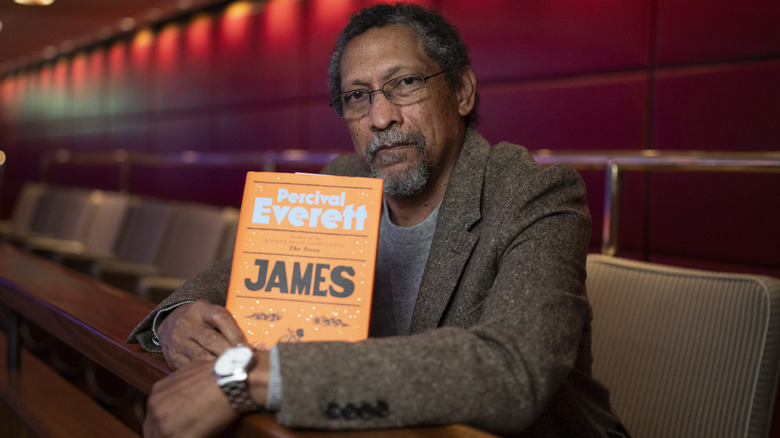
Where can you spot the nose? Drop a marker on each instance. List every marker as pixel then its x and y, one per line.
pixel 382 113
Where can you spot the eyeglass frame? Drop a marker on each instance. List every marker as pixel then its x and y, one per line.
pixel 382 89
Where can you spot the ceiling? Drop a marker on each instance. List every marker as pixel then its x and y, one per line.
pixel 27 31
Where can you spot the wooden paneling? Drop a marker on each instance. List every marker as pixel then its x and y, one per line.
pixel 604 112
pixel 519 39
pixel 695 31
pixel 718 107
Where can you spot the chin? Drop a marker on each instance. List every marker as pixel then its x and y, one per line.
pixel 407 181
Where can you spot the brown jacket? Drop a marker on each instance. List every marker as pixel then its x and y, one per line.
pixel 500 336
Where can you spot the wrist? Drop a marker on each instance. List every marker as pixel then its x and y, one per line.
pixel 258 378
pixel 232 370
pixel 163 317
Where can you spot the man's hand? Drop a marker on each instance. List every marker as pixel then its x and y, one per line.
pixel 188 403
pixel 196 332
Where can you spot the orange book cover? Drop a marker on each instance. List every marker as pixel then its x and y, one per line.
pixel 303 264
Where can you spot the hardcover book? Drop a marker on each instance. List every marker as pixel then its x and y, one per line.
pixel 303 264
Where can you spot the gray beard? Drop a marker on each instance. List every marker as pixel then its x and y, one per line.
pixel 411 180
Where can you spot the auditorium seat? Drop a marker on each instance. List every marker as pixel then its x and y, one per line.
pixel 23 214
pixel 685 353
pixel 55 203
pixel 62 213
pixel 138 244
pixel 95 224
pixel 194 240
pixel 228 242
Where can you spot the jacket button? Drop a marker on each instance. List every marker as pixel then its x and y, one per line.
pixel 366 411
pixel 381 409
pixel 350 412
pixel 333 411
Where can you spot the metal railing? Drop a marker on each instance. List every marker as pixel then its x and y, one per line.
pixel 125 160
pixel 612 163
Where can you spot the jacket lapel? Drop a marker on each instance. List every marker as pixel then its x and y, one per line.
pixel 453 240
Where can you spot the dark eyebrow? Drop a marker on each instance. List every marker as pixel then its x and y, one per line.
pixel 389 75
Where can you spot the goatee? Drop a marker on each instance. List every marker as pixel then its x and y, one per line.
pixel 409 181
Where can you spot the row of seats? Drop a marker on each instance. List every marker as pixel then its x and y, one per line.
pixel 143 245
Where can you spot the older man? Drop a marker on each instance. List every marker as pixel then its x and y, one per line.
pixel 480 314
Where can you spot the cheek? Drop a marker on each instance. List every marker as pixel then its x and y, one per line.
pixel 420 118
pixel 359 138
pixel 438 115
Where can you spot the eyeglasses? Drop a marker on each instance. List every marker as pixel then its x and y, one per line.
pixel 403 90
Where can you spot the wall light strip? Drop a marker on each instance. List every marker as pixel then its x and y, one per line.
pixel 34 2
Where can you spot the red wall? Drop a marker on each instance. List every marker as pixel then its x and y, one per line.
pixel 556 74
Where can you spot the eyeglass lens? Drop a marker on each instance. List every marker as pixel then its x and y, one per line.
pixel 403 90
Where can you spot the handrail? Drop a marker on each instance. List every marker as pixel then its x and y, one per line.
pixel 95 319
pixel 650 159
pixel 612 162
pixel 125 160
pixel 90 316
pixel 615 162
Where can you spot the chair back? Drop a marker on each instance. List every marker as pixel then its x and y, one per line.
pixel 49 213
pixel 143 230
pixel 26 206
pixel 192 240
pixel 109 210
pixel 228 243
pixel 683 352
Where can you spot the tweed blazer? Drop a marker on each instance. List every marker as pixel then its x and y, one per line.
pixel 500 334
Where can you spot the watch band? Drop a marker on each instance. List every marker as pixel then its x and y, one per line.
pixel 237 393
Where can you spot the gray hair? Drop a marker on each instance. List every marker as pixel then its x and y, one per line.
pixel 440 39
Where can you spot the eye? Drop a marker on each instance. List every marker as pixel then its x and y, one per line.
pixel 409 81
pixel 355 96
pixel 407 86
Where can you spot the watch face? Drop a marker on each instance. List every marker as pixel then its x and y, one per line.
pixel 233 359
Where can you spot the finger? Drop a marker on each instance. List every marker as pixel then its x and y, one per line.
pixel 198 342
pixel 210 343
pixel 183 347
pixel 222 320
pixel 188 403
pixel 196 353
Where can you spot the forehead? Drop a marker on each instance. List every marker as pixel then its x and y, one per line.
pixel 383 52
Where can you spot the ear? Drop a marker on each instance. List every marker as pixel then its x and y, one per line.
pixel 467 91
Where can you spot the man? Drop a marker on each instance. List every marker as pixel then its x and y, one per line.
pixel 480 314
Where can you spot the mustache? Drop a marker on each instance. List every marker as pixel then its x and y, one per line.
pixel 391 138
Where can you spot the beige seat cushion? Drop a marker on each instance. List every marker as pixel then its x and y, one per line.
pixel 685 353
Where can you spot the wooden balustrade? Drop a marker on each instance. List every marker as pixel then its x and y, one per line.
pixel 95 319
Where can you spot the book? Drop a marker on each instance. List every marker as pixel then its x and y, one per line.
pixel 304 258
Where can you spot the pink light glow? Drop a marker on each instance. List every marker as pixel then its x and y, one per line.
pixel 235 24
pixel 199 36
pixel 60 76
pixel 95 64
pixel 79 72
pixel 116 59
pixel 282 20
pixel 167 46
pixel 332 14
pixel 141 48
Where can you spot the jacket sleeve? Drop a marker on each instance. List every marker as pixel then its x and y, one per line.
pixel 211 285
pixel 510 336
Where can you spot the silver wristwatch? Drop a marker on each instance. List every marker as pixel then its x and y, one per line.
pixel 232 372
